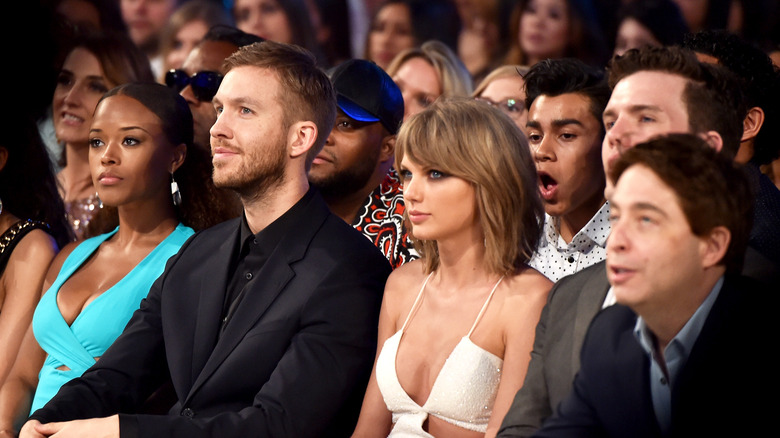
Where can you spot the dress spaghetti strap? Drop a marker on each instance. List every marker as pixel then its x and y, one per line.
pixel 416 300
pixel 484 306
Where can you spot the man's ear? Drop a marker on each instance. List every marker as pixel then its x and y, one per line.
pixel 301 137
pixel 714 139
pixel 752 123
pixel 714 246
pixel 179 155
pixel 3 157
pixel 387 151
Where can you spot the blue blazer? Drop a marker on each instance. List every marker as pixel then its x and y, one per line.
pixel 728 386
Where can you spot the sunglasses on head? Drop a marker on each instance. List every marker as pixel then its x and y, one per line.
pixel 204 84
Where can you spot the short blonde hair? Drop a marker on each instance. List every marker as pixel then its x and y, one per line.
pixel 480 144
pixel 454 77
pixel 504 71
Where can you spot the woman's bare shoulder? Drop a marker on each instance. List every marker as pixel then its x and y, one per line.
pixel 404 283
pixel 527 282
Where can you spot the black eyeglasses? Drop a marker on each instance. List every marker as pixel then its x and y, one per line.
pixel 204 84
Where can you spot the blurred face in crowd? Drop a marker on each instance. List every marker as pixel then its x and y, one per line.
pixel 145 20
pixel 419 84
pixel 390 34
pixel 633 35
pixel 184 41
pixel 544 30
pixel 507 94
pixel 80 85
pixel 264 18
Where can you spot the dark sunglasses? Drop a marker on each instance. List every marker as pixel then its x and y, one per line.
pixel 204 84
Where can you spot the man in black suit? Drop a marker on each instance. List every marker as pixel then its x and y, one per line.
pixel 687 349
pixel 266 324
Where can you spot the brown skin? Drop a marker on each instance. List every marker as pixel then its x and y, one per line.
pixel 352 144
pixel 141 159
pixel 20 284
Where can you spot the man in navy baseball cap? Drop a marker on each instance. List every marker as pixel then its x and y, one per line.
pixel 354 170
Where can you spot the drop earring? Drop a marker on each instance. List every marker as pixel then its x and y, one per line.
pixel 175 192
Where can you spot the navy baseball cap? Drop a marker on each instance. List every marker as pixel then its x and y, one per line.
pixel 367 94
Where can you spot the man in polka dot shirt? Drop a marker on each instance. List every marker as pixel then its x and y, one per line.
pixel 565 99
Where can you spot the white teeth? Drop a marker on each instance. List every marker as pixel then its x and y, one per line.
pixel 72 118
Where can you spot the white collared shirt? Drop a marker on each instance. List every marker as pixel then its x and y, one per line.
pixel 556 259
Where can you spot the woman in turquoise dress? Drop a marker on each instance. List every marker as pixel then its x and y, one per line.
pixel 141 164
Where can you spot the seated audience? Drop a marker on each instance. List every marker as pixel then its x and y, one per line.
pixel 139 139
pixel 542 29
pixel 354 171
pixel 425 73
pixel 400 25
pixel 32 229
pixel 504 88
pixel 696 101
pixel 456 326
pixel 259 328
pixel 649 23
pixel 654 364
pixel 94 64
pixel 565 99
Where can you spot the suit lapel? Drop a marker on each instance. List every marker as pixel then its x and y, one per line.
pixel 272 280
pixel 589 302
pixel 210 300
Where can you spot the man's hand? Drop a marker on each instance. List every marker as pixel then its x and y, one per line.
pixel 107 427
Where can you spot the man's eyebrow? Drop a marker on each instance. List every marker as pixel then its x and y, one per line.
pixel 563 122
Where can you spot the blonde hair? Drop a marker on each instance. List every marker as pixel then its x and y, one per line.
pixel 454 77
pixel 504 71
pixel 482 145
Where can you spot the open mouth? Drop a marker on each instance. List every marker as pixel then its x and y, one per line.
pixel 548 186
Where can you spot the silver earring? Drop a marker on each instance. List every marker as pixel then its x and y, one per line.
pixel 1 206
pixel 175 193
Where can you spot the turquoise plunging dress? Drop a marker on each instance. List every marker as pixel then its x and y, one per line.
pixel 100 322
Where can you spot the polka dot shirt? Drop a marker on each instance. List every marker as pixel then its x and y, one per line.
pixel 556 259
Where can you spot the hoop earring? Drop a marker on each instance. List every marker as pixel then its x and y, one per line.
pixel 175 192
pixel 1 206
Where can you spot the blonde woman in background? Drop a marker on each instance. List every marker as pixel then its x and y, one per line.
pixel 424 74
pixel 504 88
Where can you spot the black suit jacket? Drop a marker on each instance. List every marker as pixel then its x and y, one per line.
pixel 727 387
pixel 293 361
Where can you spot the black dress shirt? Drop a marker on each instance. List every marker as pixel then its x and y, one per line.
pixel 252 251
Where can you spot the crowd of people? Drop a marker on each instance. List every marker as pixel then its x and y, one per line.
pixel 395 218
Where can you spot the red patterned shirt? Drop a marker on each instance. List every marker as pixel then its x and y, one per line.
pixel 381 219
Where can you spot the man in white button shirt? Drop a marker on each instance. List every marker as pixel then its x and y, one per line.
pixel 565 98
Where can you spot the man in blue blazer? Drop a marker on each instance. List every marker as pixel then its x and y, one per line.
pixel 264 325
pixel 688 349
